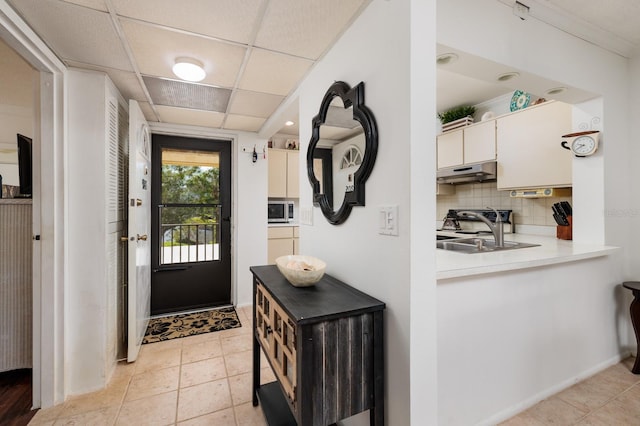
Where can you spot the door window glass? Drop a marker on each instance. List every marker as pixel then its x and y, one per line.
pixel 190 210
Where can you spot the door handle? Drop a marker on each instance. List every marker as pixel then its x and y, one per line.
pixel 141 237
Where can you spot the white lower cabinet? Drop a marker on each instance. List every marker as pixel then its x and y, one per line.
pixel 282 240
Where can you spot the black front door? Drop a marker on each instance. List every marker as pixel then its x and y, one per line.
pixel 191 228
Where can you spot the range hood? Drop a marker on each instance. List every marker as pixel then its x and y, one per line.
pixel 468 173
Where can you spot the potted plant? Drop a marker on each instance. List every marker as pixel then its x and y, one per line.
pixel 457 113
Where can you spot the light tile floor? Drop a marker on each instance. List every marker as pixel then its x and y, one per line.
pixel 198 380
pixel 609 398
pixel 206 380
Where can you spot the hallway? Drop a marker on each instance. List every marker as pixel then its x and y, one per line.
pixel 206 380
pixel 198 380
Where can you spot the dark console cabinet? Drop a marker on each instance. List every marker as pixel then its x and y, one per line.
pixel 325 345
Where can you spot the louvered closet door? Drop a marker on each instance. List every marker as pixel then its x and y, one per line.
pixel 116 184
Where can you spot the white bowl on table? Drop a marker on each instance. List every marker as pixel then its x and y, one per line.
pixel 300 270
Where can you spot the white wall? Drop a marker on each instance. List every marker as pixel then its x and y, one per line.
pixel 16 109
pixel 508 340
pixel 376 50
pixel 13 119
pixel 601 184
pixel 632 160
pixel 250 214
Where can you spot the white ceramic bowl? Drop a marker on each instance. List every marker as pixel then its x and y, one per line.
pixel 301 271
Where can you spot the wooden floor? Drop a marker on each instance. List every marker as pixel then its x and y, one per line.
pixel 15 398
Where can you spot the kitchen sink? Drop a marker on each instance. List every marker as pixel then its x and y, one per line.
pixel 478 245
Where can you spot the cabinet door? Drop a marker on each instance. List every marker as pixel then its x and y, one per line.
pixel 278 247
pixel 480 142
pixel 293 174
pixel 277 174
pixel 529 151
pixel 450 149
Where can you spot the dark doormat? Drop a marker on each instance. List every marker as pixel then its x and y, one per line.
pixel 184 325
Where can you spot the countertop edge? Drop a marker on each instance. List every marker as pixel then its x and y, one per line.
pixel 442 275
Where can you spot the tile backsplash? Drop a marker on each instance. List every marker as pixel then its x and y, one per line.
pixel 526 211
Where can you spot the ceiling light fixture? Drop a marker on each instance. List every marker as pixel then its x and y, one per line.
pixel 446 58
pixel 555 91
pixel 508 76
pixel 288 123
pixel 189 69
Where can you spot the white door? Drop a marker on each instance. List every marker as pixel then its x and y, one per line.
pixel 139 286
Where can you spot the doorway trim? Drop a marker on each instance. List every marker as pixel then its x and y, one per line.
pixel 49 219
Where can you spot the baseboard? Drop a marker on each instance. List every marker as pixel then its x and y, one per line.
pixel 530 402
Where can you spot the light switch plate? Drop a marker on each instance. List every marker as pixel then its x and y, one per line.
pixel 388 220
pixel 306 215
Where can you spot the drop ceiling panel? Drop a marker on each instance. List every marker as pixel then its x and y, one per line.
pixel 75 33
pixel 226 19
pixel 127 83
pixel 273 73
pixel 254 104
pixel 156 50
pixel 93 4
pixel 190 116
pixel 304 28
pixel 241 122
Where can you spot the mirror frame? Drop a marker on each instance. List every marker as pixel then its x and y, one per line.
pixel 351 97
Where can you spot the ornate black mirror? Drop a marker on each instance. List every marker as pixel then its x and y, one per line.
pixel 342 151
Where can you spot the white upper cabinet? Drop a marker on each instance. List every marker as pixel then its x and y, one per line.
pixel 283 173
pixel 471 144
pixel 528 147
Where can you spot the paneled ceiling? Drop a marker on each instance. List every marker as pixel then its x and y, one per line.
pixel 256 51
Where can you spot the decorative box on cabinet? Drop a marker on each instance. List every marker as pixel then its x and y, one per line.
pixel 325 345
pixel 284 181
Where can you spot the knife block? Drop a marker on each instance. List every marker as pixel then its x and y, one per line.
pixel 565 232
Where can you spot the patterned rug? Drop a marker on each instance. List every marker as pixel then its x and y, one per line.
pixel 184 325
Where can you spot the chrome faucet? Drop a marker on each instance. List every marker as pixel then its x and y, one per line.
pixel 497 228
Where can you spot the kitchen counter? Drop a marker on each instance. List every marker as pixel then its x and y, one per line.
pixel 277 225
pixel 550 252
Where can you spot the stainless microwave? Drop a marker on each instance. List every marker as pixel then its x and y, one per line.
pixel 280 211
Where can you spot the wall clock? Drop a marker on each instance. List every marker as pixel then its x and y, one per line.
pixel 581 144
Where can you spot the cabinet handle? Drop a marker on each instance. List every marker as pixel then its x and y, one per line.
pixel 268 330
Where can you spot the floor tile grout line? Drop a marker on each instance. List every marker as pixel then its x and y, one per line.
pixel 179 383
pixel 124 396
